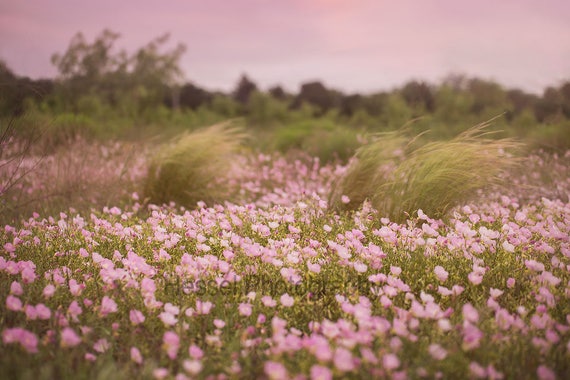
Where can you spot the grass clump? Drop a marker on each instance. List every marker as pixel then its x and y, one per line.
pixel 399 176
pixel 194 167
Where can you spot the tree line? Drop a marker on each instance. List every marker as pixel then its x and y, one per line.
pixel 96 78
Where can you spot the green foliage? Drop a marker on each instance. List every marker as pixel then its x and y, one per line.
pixel 322 138
pixel 193 167
pixel 554 137
pixel 399 176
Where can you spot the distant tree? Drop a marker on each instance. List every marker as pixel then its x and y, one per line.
pixel 192 96
pixel 278 93
pixel 14 91
pixel 520 101
pixel 351 104
pixel 142 79
pixel 565 92
pixel 487 97
pixel 549 107
pixel 244 88
pixel 419 96
pixel 316 94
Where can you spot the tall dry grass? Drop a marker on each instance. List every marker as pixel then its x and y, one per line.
pixel 399 176
pixel 194 167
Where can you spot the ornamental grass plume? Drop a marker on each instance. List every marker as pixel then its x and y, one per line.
pixel 194 167
pixel 399 176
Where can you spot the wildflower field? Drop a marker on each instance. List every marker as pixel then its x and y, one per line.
pixel 274 283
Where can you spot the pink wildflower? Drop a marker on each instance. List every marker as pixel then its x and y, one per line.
pixel 390 362
pixel 195 352
pixel 437 352
pixel 43 312
pixel 101 345
pixel 318 372
pixel 108 305
pixel 31 312
pixel 545 373
pixel 343 360
pixel 171 344
pixel 27 339
pixel 268 301
pixel 441 273
pixel 69 338
pixel 275 371
pixel 16 288
pixel 136 355
pixel 167 318
pixel 477 370
pixel 48 291
pixel 287 300
pixel 470 314
pixel 13 303
pixel 160 373
pixel 244 309
pixel 193 367
pixel 136 317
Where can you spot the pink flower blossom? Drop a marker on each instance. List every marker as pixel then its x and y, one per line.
pixel 470 314
pixel 390 362
pixel 477 370
pixel 27 339
pixel 495 293
pixel 203 307
pixel 28 275
pixel 108 305
pixel 13 303
pixel 74 310
pixel 395 270
pixel 275 371
pixel 160 373
pixel 69 338
pixel 534 265
pixel 171 344
pixel 43 312
pixel 471 337
pixel 31 312
pixel 101 345
pixel 168 319
pixel 195 352
pixel 244 309
pixel 441 273
pixel 545 373
pixel 268 301
pixel 75 288
pixel 287 300
pixel 475 278
pixel 136 317
pixel 343 360
pixel 193 367
pixel 318 372
pixel 437 352
pixel 48 291
pixel 136 355
pixel 16 288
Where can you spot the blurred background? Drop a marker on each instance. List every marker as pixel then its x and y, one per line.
pixel 287 69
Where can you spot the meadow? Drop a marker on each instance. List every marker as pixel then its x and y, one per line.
pixel 204 257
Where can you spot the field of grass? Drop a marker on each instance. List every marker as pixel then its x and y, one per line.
pixel 273 278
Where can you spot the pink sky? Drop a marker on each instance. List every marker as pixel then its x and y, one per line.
pixel 358 45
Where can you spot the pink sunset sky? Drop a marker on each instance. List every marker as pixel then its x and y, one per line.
pixel 358 45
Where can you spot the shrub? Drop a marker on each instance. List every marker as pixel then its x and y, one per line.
pixel 323 139
pixel 193 167
pixel 399 177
